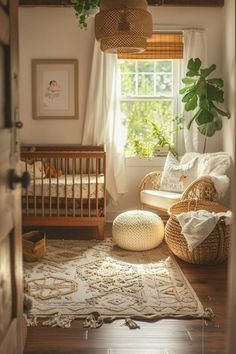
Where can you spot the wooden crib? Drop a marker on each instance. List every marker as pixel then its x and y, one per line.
pixel 68 186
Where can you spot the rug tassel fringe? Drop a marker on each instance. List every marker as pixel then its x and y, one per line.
pixel 31 321
pixel 59 321
pixel 94 320
pixel 131 323
pixel 208 313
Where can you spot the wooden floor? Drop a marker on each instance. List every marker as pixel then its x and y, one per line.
pixel 166 336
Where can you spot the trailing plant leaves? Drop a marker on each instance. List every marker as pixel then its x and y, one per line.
pixel 82 10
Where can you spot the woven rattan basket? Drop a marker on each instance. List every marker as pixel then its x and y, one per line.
pixel 34 246
pixel 213 250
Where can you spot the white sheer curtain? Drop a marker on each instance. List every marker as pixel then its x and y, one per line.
pixel 103 119
pixel 194 47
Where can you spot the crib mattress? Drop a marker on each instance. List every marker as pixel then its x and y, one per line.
pixel 68 187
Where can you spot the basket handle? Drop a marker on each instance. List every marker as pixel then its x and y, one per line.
pixel 193 202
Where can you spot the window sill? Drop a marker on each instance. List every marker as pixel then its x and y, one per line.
pixel 157 161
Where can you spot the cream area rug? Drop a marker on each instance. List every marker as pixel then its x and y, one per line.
pixel 100 282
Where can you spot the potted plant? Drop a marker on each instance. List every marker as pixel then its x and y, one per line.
pixel 157 142
pixel 203 94
pixel 84 9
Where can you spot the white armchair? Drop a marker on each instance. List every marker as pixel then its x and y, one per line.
pixel 201 176
pixel 152 197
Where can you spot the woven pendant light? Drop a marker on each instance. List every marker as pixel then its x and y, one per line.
pixel 123 26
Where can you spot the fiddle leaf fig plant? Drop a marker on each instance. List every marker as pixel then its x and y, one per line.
pixel 83 9
pixel 203 95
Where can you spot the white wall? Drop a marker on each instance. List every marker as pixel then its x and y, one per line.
pixel 229 74
pixel 53 33
pixel 229 146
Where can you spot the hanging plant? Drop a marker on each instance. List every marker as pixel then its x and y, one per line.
pixel 83 9
pixel 203 95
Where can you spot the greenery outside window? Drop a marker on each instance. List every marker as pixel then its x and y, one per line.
pixel 149 104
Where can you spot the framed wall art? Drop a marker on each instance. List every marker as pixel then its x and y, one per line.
pixel 55 88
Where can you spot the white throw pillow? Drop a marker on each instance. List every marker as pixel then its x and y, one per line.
pixel 188 156
pixel 30 168
pixel 176 177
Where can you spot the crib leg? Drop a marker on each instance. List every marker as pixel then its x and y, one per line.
pixel 101 230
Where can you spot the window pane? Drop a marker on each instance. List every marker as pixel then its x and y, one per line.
pixel 128 84
pixel 145 85
pixel 127 66
pixel 146 66
pixel 138 117
pixel 163 66
pixel 164 84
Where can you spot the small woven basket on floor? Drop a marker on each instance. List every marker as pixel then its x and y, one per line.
pixel 34 246
pixel 213 250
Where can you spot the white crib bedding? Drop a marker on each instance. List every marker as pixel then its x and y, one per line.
pixel 63 187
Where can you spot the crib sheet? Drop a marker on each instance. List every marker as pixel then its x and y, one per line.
pixel 64 186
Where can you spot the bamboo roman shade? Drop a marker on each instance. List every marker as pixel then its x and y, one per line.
pixel 160 46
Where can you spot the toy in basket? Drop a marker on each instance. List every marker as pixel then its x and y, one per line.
pixel 214 249
pixel 34 246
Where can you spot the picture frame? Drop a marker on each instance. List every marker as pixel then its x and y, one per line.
pixel 55 88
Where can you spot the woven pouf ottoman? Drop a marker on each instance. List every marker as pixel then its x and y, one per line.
pixel 137 230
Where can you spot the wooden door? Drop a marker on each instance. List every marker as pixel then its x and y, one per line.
pixel 11 289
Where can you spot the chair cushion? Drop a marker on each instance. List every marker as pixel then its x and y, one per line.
pixel 159 199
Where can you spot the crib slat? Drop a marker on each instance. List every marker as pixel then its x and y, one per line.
pixel 89 200
pixel 35 207
pixel 42 191
pixel 50 188
pixel 96 187
pixel 66 186
pixel 27 191
pixel 73 181
pixel 57 167
pixel 104 184
pixel 81 187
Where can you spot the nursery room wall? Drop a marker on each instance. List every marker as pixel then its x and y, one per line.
pixel 229 74
pixel 229 146
pixel 53 33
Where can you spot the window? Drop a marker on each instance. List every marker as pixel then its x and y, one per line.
pixel 149 95
pixel 149 104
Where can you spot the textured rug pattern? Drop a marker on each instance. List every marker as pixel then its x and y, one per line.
pixel 76 278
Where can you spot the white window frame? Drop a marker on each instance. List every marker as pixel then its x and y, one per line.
pixel 176 101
